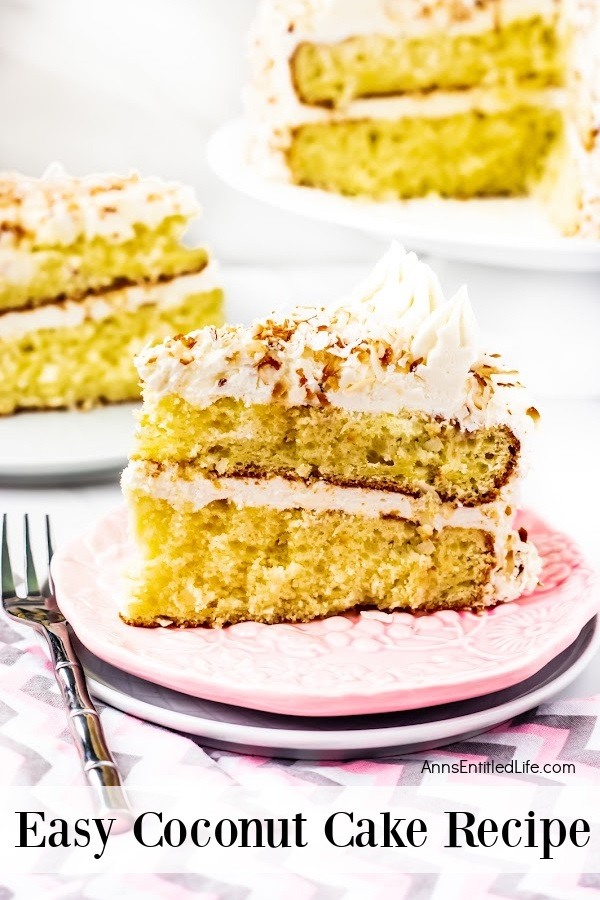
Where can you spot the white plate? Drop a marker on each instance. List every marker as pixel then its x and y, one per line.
pixel 510 232
pixel 347 737
pixel 46 445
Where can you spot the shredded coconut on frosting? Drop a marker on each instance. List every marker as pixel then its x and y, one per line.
pixel 394 344
pixel 59 208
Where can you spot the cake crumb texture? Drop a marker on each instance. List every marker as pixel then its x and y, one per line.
pixel 410 452
pixel 472 154
pixel 295 565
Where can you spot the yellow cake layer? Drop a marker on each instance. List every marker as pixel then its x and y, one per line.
pixel 409 452
pixel 527 52
pixel 470 154
pixel 224 564
pixel 71 271
pixel 93 362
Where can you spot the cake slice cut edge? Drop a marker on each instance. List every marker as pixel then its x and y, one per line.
pixel 219 543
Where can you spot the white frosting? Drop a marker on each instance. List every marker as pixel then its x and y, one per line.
pixel 335 20
pixel 193 492
pixel 175 485
pixel 572 190
pixel 71 313
pixel 58 208
pixel 394 344
pixel 17 266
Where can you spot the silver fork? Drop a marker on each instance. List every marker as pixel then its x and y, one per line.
pixel 38 608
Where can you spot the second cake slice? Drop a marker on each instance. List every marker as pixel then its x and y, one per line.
pixel 91 270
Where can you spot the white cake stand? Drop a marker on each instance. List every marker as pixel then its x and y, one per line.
pixel 512 232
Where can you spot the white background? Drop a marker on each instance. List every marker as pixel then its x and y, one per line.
pixel 110 85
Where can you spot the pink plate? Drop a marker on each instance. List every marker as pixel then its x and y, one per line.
pixel 366 662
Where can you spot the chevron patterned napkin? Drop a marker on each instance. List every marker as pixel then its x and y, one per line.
pixel 36 750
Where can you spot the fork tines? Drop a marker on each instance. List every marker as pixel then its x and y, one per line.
pixel 32 587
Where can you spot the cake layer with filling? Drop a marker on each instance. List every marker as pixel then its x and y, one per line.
pixel 365 453
pixel 526 51
pixel 78 353
pixel 407 452
pixel 64 237
pixel 299 565
pixel 266 542
pixel 92 270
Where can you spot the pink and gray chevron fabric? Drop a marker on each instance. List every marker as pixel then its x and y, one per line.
pixel 36 750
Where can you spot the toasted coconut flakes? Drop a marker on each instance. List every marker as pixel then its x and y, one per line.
pixel 185 339
pixel 279 390
pixel 268 361
pixel 386 357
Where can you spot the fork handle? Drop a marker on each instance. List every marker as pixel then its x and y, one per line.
pixel 99 767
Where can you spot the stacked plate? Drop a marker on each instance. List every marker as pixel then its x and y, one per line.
pixel 362 684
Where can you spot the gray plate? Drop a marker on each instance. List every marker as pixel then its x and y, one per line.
pixel 338 737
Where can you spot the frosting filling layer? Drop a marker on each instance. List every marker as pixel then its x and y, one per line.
pixel 95 307
pixel 182 488
pixel 335 20
pixel 516 562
